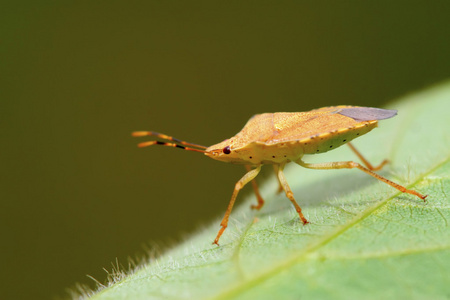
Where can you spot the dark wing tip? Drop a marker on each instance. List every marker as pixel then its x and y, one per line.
pixel 367 113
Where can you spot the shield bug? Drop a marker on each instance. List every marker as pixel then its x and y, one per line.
pixel 280 138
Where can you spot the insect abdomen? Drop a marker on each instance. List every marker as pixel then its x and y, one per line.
pixel 324 142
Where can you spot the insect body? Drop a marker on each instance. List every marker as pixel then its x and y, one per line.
pixel 279 138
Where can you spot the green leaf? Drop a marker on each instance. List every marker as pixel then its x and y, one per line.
pixel 366 240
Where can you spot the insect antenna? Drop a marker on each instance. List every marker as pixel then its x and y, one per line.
pixel 176 141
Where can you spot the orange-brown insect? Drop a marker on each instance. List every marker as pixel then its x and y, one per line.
pixel 279 138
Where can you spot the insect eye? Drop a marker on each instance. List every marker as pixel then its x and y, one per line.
pixel 227 150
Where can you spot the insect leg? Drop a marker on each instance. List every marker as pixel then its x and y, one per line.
pixel 351 165
pixel 365 161
pixel 289 193
pixel 239 185
pixel 280 187
pixel 256 190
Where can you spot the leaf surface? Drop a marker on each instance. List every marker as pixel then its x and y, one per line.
pixel 366 240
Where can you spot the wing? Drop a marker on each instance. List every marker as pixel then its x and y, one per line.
pixel 367 113
pixel 298 126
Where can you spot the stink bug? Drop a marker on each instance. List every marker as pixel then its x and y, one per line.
pixel 279 138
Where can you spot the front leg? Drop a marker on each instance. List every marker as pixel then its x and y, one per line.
pixel 256 190
pixel 239 185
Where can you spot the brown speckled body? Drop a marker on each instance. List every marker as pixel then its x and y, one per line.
pixel 279 138
pixel 273 138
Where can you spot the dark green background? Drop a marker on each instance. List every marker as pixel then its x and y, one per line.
pixel 77 78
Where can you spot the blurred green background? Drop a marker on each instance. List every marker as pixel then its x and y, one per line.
pixel 78 77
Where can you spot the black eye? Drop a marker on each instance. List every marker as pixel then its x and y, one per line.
pixel 227 150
